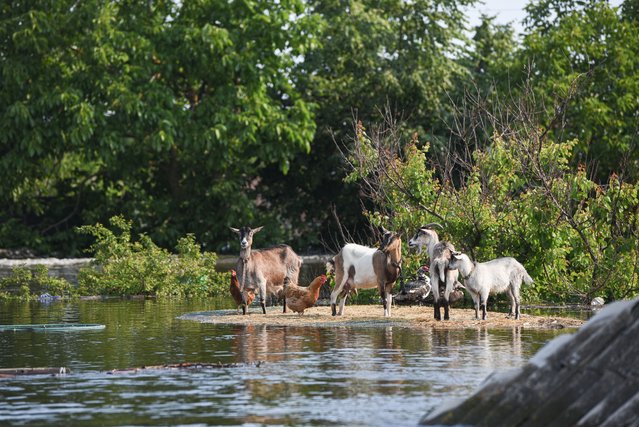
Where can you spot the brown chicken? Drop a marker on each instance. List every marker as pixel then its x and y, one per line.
pixel 300 298
pixel 237 294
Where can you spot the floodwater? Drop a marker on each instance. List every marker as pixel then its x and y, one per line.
pixel 308 376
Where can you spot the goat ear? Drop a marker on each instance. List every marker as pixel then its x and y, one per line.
pixel 234 230
pixel 256 229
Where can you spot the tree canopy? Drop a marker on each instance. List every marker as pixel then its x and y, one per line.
pixel 158 110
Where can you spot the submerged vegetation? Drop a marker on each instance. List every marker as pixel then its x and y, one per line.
pixel 24 283
pixel 123 266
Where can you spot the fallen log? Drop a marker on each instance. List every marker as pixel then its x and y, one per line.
pixel 14 372
pixel 52 327
pixel 184 365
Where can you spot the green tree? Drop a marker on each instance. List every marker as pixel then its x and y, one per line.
pixel 367 57
pixel 370 54
pixel 518 197
pixel 163 111
pixel 583 58
pixel 487 64
pixel 490 54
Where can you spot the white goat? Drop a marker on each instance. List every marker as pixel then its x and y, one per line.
pixel 491 277
pixel 264 269
pixel 361 267
pixel 442 276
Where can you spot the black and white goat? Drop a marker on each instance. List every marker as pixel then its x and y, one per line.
pixel 362 267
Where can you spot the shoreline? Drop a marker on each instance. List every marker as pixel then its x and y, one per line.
pixel 372 315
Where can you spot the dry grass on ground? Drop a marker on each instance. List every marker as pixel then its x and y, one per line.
pixel 372 315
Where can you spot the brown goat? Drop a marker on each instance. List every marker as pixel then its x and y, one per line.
pixel 264 270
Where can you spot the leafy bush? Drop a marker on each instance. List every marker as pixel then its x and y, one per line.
pixel 126 267
pixel 25 283
pixel 576 238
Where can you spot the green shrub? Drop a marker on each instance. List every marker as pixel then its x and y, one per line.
pixel 577 238
pixel 25 283
pixel 125 267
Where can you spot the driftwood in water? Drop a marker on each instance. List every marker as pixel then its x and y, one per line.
pixel 590 378
pixel 14 372
pixel 185 365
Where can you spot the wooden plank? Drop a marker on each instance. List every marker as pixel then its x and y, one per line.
pixel 185 365
pixel 14 372
pixel 52 327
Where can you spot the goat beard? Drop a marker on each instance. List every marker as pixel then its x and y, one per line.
pixel 418 249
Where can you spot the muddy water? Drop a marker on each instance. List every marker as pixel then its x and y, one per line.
pixel 331 375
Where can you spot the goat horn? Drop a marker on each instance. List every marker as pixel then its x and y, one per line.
pixel 431 225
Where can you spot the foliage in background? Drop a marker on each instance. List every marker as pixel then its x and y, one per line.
pixel 161 111
pixel 25 283
pixel 519 197
pixel 123 266
pixel 363 56
pixel 587 52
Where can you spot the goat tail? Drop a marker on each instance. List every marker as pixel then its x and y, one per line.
pixel 527 279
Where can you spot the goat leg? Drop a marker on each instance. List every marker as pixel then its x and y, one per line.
pixel 382 294
pixel 446 311
pixel 263 296
pixel 341 305
pixel 438 314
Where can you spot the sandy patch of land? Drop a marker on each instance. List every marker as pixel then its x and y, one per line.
pixel 373 315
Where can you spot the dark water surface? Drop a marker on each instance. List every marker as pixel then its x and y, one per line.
pixel 337 375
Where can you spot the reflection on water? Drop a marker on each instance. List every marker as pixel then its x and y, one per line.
pixel 334 375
